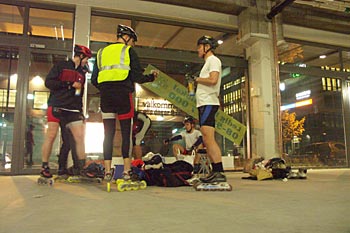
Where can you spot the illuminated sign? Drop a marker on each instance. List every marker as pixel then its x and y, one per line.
pixel 303 95
pixel 297 104
pixel 156 107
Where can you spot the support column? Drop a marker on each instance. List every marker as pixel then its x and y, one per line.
pixel 255 35
pixel 82 36
pixel 263 104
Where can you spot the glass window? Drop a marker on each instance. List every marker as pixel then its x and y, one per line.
pixel 40 65
pixel 11 19
pixel 8 81
pixel 313 56
pixel 104 29
pixel 51 23
pixel 346 60
pixel 322 110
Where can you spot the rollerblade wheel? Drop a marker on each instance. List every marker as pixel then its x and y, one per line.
pixel 121 187
pixel 143 184
pixel 134 187
pixel 108 187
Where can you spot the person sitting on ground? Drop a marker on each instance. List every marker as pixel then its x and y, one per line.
pixel 193 140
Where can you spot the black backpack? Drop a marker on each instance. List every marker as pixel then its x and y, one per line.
pixel 171 175
pixel 95 170
pixel 279 168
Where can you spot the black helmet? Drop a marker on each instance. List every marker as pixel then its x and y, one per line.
pixel 80 49
pixel 189 119
pixel 208 40
pixel 126 30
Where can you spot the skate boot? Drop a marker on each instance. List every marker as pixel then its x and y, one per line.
pixel 216 181
pixel 45 172
pixel 302 173
pixel 109 177
pixel 62 175
pixel 155 162
pixel 130 182
pixel 45 176
pixel 214 177
pixel 193 180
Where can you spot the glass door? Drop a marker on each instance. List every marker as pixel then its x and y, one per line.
pixel 9 57
pixel 36 121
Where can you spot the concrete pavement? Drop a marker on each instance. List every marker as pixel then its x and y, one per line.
pixel 319 204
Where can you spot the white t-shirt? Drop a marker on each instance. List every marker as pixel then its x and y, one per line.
pixel 190 138
pixel 209 95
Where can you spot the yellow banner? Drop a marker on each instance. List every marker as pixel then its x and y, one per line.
pixel 177 94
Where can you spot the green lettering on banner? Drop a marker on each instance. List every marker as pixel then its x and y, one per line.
pixel 177 94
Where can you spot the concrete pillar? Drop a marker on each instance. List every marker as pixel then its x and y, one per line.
pixel 264 130
pixel 82 25
pixel 81 37
pixel 255 35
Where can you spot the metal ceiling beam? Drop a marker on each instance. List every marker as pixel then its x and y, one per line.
pixel 278 8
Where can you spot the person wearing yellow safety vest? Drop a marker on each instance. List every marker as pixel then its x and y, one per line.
pixel 116 70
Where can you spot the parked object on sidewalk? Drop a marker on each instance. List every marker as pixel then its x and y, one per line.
pixel 166 175
pixel 275 168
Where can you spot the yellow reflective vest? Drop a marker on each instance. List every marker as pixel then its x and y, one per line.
pixel 113 63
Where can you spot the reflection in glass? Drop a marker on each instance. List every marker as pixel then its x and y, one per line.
pixel 319 100
pixel 104 29
pixel 8 80
pixel 50 23
pixel 11 19
pixel 37 104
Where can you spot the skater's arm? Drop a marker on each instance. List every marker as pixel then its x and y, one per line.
pixel 175 138
pixel 136 72
pixel 198 142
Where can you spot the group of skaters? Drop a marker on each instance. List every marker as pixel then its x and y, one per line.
pixel 116 70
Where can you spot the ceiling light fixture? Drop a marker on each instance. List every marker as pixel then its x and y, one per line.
pixel 323 56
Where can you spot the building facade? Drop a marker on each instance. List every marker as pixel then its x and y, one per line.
pixel 267 65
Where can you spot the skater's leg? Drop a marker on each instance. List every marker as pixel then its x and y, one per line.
pixel 49 140
pixel 77 128
pixel 47 148
pixel 178 150
pixel 109 131
pixel 125 127
pixel 213 150
pixel 64 150
pixel 207 122
pixel 137 151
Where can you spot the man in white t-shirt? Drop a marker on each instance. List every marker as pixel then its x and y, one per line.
pixel 193 141
pixel 208 103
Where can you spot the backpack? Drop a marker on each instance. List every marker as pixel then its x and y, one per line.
pixel 171 175
pixel 279 168
pixel 95 169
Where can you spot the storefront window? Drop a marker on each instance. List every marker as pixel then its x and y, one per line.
pixel 51 23
pixel 8 81
pixel 346 60
pixel 312 122
pixel 309 56
pixel 37 97
pixel 104 29
pixel 11 19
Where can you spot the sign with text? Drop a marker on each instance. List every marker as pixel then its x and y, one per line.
pixel 177 94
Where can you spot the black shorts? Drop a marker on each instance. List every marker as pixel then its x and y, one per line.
pixel 207 115
pixel 118 102
pixel 66 117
